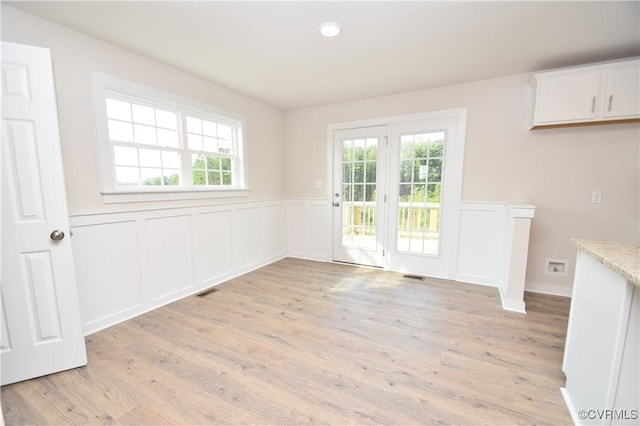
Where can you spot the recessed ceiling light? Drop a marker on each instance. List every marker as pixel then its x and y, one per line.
pixel 330 29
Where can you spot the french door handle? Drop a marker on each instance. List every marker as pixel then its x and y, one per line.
pixel 336 204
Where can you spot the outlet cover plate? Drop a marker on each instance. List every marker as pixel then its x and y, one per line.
pixel 556 267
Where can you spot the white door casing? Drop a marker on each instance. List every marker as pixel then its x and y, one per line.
pixel 41 324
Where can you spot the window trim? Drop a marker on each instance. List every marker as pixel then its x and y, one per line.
pixel 102 85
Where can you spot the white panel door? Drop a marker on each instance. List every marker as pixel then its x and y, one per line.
pixel 41 325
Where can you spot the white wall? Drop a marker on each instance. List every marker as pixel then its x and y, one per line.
pixel 555 170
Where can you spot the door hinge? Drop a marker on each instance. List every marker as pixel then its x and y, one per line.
pixel 385 198
pixel 383 252
pixel 386 140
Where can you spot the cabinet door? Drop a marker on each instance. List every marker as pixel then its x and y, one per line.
pixel 623 92
pixel 567 97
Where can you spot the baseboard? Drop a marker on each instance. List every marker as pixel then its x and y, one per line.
pixel 475 279
pixel 512 305
pixel 301 256
pixel 570 407
pixel 544 288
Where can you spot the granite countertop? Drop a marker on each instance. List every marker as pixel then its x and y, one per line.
pixel 623 258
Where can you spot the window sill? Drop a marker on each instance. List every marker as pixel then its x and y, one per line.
pixel 135 196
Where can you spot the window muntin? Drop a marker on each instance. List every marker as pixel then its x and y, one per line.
pixel 205 135
pixel 359 188
pixel 419 190
pixel 132 122
pixel 145 144
pixel 156 145
pixel 212 151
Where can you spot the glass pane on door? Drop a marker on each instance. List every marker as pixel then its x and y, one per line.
pixel 359 168
pixel 420 186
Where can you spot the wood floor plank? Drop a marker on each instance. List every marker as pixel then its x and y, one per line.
pixel 302 342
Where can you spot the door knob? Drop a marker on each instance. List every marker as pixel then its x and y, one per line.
pixel 57 235
pixel 336 204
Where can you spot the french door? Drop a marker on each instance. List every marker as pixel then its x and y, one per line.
pixel 424 194
pixel 396 194
pixel 359 214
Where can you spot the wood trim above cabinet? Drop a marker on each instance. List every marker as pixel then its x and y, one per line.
pixel 585 123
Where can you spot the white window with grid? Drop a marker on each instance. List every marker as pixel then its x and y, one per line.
pixel 157 146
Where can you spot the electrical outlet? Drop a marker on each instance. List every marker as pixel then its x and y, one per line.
pixel 596 197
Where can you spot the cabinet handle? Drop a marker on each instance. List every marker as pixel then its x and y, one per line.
pixel 610 102
pixel 593 104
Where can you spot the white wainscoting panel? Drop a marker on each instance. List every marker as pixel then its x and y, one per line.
pixel 213 246
pixel 245 243
pixel 320 232
pixel 308 223
pixel 128 263
pixel 107 262
pixel 167 257
pixel 481 242
pixel 297 225
pixel 272 241
pixel 493 246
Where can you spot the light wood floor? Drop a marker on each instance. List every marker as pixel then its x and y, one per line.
pixel 301 342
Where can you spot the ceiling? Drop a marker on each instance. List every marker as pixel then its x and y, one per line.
pixel 273 52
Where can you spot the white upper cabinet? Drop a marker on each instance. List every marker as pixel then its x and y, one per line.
pixel 567 97
pixel 622 96
pixel 588 95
